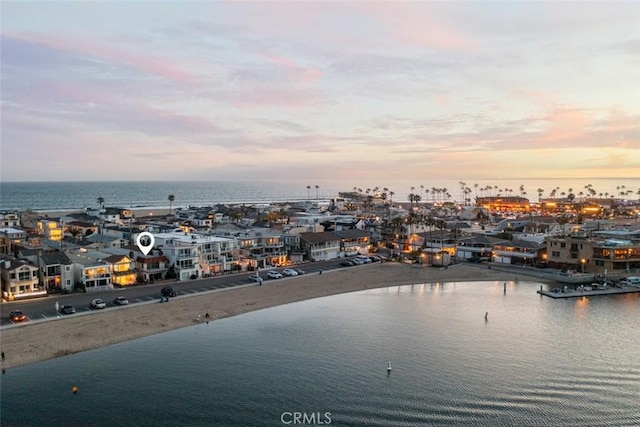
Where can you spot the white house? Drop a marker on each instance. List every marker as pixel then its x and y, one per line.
pixel 94 274
pixel 198 255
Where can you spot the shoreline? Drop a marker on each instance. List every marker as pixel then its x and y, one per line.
pixel 36 342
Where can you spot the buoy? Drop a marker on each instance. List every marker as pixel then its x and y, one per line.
pixel 486 315
pixel 388 366
pixel 74 389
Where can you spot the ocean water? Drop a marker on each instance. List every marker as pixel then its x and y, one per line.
pixel 535 362
pixel 52 196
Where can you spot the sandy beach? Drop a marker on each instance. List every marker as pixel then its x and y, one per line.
pixel 36 342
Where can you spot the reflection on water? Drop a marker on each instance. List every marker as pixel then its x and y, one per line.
pixel 535 361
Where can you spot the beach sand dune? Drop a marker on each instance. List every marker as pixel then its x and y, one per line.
pixel 35 342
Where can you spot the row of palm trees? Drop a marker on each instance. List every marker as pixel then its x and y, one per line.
pixel 171 199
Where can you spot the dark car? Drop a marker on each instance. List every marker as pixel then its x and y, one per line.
pixel 475 260
pixel 67 309
pixel 168 291
pixel 300 272
pixel 17 316
pixel 346 263
pixel 120 301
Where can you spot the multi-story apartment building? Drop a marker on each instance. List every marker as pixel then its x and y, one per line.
pixel 594 255
pixel 195 255
pixel 262 249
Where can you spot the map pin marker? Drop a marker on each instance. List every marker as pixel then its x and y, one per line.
pixel 145 242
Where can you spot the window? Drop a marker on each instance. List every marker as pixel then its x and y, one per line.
pixel 555 254
pixel 563 245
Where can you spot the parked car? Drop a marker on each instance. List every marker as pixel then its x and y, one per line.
pixel 289 272
pixel 300 272
pixel 98 303
pixel 17 316
pixel 347 263
pixel 120 301
pixel 67 309
pixel 255 278
pixel 168 291
pixel 274 275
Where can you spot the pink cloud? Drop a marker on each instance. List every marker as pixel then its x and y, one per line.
pixel 294 70
pixel 565 124
pixel 420 24
pixel 139 61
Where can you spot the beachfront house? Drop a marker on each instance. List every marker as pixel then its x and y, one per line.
pixel 123 270
pixel 114 215
pixel 293 247
pixel 91 272
pixel 56 271
pixel 262 249
pixel 321 246
pixel 522 252
pixel 9 219
pixel 20 279
pixel 477 246
pixel 437 239
pixel 152 267
pixel 353 241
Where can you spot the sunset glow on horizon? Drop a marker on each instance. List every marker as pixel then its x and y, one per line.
pixel 305 90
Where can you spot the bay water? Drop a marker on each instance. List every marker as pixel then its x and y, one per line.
pixel 534 361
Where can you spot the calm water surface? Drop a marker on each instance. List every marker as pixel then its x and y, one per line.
pixel 535 361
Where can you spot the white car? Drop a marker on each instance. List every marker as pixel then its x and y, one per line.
pixel 274 275
pixel 289 272
pixel 255 278
pixel 98 303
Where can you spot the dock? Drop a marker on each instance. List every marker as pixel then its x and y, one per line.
pixel 579 294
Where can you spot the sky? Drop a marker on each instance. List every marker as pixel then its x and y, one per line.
pixel 265 90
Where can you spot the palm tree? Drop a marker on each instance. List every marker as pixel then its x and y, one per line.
pixel 101 202
pixel 317 193
pixel 171 198
pixel 309 189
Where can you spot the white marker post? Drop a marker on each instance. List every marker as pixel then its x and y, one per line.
pixel 57 309
pixel 145 242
